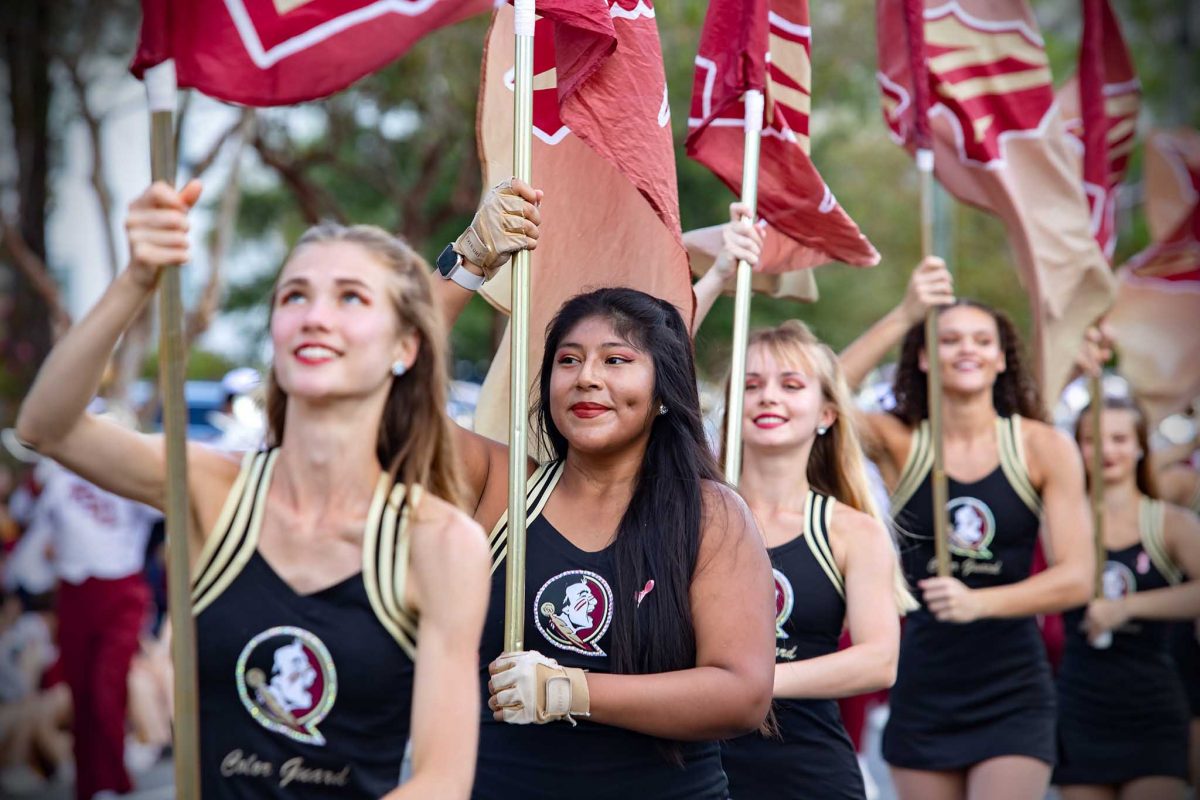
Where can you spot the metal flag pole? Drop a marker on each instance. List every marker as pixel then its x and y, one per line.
pixel 518 444
pixel 753 100
pixel 941 492
pixel 160 92
pixel 1096 485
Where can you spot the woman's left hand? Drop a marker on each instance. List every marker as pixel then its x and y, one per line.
pixel 951 600
pixel 1104 615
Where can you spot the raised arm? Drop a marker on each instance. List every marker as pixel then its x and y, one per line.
pixel 448 549
pixel 1181 532
pixel 930 285
pixel 507 221
pixel 870 662
pixel 52 418
pixel 741 239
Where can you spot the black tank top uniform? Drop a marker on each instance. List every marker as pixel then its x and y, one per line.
pixel 965 693
pixel 812 757
pixel 302 695
pixel 568 616
pixel 1122 712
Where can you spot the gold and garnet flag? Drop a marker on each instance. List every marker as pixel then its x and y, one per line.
pixel 279 52
pixel 1100 105
pixel 603 155
pixel 767 45
pixel 1154 320
pixel 999 145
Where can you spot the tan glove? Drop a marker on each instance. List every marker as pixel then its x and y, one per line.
pixel 529 687
pixel 507 221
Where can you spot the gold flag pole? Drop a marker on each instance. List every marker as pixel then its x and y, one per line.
pixel 160 92
pixel 1096 485
pixel 753 100
pixel 518 443
pixel 941 492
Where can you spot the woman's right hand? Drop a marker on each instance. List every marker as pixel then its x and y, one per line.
pixel 742 240
pixel 157 229
pixel 931 285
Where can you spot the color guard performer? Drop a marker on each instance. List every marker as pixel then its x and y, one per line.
pixel 972 711
pixel 1123 714
pixel 325 630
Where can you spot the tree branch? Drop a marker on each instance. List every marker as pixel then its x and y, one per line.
pixel 315 203
pixel 37 273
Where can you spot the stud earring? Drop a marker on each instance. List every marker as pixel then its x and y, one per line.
pixel 399 368
pixel 662 410
pixel 821 430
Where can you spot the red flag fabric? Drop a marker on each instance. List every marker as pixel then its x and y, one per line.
pixel 1100 107
pixel 1153 321
pixel 603 155
pixel 767 44
pixel 277 52
pixel 999 145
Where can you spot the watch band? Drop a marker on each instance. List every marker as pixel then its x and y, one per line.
pixel 465 278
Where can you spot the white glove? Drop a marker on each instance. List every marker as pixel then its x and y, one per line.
pixel 529 687
pixel 507 221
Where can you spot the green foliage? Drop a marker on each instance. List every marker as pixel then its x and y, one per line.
pixel 202 365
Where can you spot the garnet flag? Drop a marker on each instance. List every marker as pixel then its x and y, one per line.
pixel 767 45
pixel 603 155
pixel 278 52
pixel 999 145
pixel 1154 320
pixel 1100 107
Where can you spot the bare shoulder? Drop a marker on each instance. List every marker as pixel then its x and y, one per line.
pixel 211 475
pixel 887 439
pixel 448 548
pixel 1180 522
pixel 854 532
pixel 727 520
pixel 1048 451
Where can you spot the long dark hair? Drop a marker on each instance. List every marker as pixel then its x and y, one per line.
pixel 416 439
pixel 1145 475
pixel 658 537
pixel 1015 391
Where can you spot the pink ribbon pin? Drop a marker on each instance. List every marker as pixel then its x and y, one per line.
pixel 639 596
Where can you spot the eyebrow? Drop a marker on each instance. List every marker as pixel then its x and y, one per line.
pixel 788 374
pixel 577 345
pixel 301 281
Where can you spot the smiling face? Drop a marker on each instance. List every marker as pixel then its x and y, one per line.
pixel 334 324
pixel 784 402
pixel 970 350
pixel 1121 449
pixel 601 389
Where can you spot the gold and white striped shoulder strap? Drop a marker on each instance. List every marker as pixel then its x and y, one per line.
pixel 818 518
pixel 386 546
pixel 1150 528
pixel 540 485
pixel 235 536
pixel 916 466
pixel 1012 461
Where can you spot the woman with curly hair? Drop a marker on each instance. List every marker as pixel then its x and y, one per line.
pixel 973 707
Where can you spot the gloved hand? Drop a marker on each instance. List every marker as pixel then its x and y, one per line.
pixel 528 687
pixel 507 221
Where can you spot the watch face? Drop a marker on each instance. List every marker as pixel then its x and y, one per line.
pixel 447 261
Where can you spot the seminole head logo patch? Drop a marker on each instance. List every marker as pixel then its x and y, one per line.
pixel 1117 581
pixel 287 681
pixel 785 600
pixel 972 527
pixel 573 611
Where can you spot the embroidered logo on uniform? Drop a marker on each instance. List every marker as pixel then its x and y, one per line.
pixel 1117 580
pixel 785 599
pixel 287 681
pixel 972 527
pixel 573 611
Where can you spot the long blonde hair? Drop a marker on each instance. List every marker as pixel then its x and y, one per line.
pixel 836 465
pixel 416 438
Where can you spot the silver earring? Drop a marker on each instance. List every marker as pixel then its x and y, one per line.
pixel 821 430
pixel 399 368
pixel 662 410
